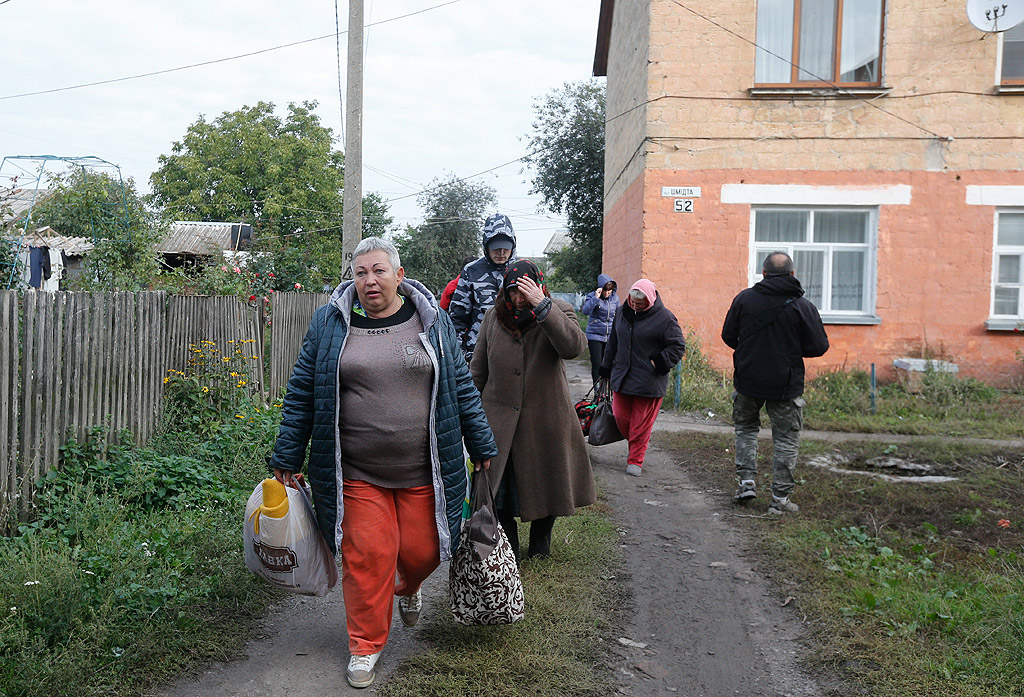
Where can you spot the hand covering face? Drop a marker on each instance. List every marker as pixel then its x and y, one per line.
pixel 522 268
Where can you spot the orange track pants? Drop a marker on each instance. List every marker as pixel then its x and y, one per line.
pixel 384 532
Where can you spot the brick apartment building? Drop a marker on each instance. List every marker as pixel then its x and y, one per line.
pixel 888 164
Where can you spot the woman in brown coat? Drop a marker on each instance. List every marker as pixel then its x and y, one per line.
pixel 542 469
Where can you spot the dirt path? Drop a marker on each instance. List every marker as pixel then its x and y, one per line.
pixel 701 620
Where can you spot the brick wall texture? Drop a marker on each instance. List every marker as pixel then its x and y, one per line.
pixel 944 127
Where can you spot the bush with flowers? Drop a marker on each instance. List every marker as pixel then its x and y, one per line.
pixel 213 388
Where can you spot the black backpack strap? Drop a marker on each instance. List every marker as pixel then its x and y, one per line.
pixel 764 320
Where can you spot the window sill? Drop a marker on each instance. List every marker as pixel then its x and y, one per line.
pixel 1009 89
pixel 1004 324
pixel 818 92
pixel 851 319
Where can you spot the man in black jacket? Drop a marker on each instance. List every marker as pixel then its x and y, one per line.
pixel 771 328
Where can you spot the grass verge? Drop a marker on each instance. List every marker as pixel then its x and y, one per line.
pixel 939 404
pixel 556 650
pixel 907 588
pixel 131 569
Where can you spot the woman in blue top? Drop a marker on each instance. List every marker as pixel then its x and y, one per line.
pixel 600 307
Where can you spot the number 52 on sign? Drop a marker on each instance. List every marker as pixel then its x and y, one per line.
pixel 683 205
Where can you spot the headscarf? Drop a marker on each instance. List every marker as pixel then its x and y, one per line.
pixel 515 271
pixel 647 288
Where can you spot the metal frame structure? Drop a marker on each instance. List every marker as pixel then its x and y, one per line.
pixel 26 172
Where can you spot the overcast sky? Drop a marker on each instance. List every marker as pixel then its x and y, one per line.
pixel 450 89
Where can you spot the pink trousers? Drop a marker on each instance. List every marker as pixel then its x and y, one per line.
pixel 635 418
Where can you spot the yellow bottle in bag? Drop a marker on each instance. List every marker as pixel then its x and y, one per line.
pixel 283 544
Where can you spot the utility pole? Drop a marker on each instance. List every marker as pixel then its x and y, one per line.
pixel 352 221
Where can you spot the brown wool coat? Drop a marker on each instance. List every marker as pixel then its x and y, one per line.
pixel 525 393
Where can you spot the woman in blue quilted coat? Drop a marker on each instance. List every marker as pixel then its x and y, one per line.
pixel 383 397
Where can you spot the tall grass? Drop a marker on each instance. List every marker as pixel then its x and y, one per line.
pixel 939 403
pixel 130 567
pixel 695 385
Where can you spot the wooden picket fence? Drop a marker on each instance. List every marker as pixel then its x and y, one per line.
pixel 73 361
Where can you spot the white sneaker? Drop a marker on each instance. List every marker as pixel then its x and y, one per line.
pixel 779 506
pixel 409 607
pixel 360 670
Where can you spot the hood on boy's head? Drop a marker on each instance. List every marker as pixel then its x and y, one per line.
pixel 603 278
pixel 498 225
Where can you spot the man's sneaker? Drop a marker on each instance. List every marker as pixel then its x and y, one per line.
pixel 779 506
pixel 634 470
pixel 409 607
pixel 745 492
pixel 360 670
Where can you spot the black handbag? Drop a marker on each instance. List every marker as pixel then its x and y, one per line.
pixel 603 429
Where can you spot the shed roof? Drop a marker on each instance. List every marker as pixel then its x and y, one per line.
pixel 48 237
pixel 20 200
pixel 197 238
pixel 557 243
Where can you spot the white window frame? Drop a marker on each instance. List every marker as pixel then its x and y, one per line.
pixel 867 314
pixel 1005 321
pixel 1010 84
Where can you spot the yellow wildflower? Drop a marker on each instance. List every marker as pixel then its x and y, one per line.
pixel 239 416
pixel 166 380
pixel 205 388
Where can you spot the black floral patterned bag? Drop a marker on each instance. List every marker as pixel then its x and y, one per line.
pixel 483 578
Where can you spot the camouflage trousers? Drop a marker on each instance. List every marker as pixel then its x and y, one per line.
pixel 787 419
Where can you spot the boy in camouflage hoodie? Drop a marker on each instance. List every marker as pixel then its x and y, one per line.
pixel 480 281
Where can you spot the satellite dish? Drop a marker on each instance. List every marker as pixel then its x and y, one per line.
pixel 995 15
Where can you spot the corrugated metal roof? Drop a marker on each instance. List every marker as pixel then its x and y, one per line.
pixel 197 238
pixel 558 242
pixel 46 236
pixel 20 200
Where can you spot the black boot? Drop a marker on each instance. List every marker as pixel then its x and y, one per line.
pixel 540 537
pixel 508 523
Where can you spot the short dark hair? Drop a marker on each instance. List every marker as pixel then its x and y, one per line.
pixel 777 264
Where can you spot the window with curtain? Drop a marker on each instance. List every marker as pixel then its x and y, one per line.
pixel 1013 56
pixel 1008 266
pixel 832 251
pixel 819 41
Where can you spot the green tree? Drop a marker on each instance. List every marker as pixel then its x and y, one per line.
pixel 567 153
pixel 281 175
pixel 454 212
pixel 111 213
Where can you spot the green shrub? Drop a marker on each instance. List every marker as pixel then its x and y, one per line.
pixel 701 386
pixel 840 392
pixel 212 388
pixel 949 390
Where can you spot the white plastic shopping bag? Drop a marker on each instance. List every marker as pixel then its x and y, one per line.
pixel 283 543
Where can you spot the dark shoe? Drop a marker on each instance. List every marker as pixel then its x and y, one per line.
pixel 361 671
pixel 745 492
pixel 511 527
pixel 540 538
pixel 779 506
pixel 409 607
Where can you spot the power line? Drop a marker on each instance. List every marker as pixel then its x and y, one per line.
pixel 218 60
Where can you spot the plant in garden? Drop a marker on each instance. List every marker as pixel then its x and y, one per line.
pixel 702 387
pixel 213 388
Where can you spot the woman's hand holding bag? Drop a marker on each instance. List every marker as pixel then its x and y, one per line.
pixel 283 544
pixel 603 429
pixel 483 579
